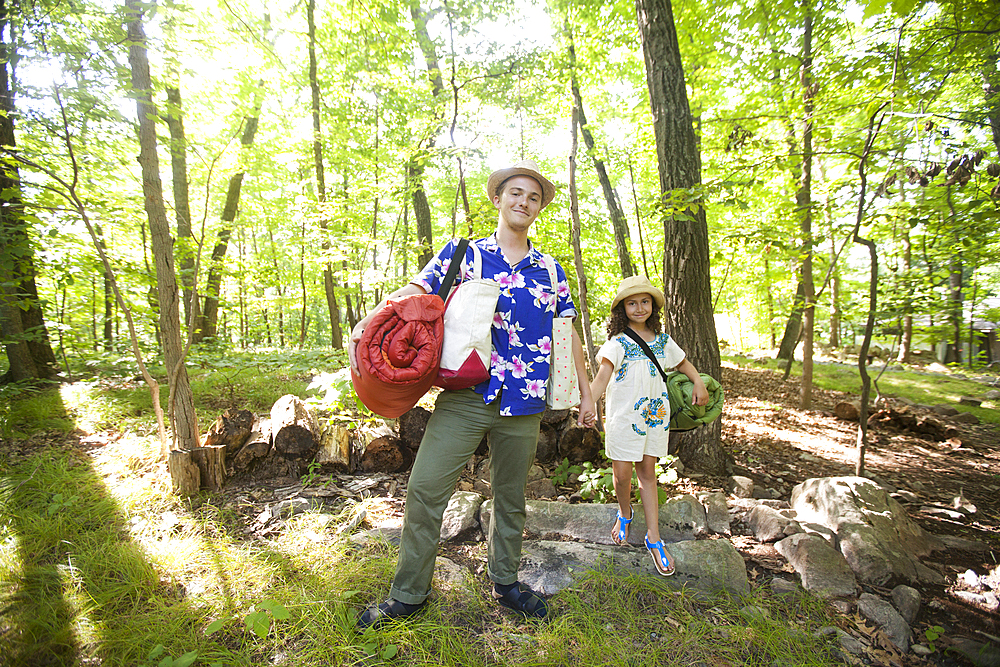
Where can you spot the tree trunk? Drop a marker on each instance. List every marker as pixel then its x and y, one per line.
pixel 207 327
pixel 182 200
pixel 183 418
pixel 329 289
pixel 686 280
pixel 614 207
pixel 421 209
pixel 581 274
pixel 803 201
pixel 25 336
pixel 955 269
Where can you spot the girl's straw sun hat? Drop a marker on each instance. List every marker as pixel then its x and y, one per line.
pixel 638 285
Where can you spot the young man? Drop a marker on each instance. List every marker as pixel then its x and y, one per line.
pixel 508 406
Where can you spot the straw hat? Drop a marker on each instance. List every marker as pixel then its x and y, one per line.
pixel 522 168
pixel 638 285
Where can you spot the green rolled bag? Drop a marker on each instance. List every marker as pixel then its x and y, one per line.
pixel 683 415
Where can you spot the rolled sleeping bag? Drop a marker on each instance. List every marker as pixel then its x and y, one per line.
pixel 399 354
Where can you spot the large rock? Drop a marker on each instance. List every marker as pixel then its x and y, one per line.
pixel 769 524
pixel 681 518
pixel 460 517
pixel 884 615
pixel 708 566
pixel 876 535
pixel 824 570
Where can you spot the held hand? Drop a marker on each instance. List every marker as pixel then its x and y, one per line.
pixel 588 413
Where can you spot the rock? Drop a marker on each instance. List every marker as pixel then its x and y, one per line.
pixel 907 601
pixel 979 654
pixel 821 531
pixel 541 488
pixel 716 510
pixel 905 496
pixel 992 395
pixel 709 566
pixel 882 614
pixel 461 516
pixel 450 577
pixel 823 570
pixel 965 418
pixel 961 544
pixel 783 587
pixel 739 486
pixel 548 443
pixel 875 534
pixel 945 410
pixel 969 400
pixel 920 650
pixel 767 524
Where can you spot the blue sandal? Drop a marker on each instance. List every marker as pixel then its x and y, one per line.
pixel 661 558
pixel 619 532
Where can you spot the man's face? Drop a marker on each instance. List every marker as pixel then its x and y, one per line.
pixel 519 202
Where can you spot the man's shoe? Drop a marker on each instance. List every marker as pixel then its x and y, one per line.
pixel 391 609
pixel 523 600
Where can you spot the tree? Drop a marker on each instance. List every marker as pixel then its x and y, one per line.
pixel 686 265
pixel 22 326
pixel 183 419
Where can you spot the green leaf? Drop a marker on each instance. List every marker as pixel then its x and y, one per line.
pixel 186 660
pixel 279 612
pixel 259 623
pixel 390 652
pixel 214 627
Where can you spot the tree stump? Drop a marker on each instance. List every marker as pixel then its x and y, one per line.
pixel 387 454
pixel 211 462
pixel 579 444
pixel 548 443
pixel 412 425
pixel 848 410
pixel 184 473
pixel 294 428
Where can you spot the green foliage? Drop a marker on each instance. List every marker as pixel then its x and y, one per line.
pixel 932 634
pixel 563 471
pixel 157 658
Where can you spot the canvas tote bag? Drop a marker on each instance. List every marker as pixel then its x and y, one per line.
pixel 563 389
pixel 468 323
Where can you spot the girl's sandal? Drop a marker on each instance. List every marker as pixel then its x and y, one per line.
pixel 661 557
pixel 619 532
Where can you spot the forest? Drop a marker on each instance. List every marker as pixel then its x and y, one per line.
pixel 240 175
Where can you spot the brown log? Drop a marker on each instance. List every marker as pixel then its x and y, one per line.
pixel 848 410
pixel 211 462
pixel 412 425
pixel 294 428
pixel 184 473
pixel 580 444
pixel 254 449
pixel 387 454
pixel 231 429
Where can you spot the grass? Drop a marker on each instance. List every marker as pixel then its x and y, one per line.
pixel 911 383
pixel 100 563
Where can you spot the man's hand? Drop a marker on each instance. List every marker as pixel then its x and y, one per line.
pixel 588 412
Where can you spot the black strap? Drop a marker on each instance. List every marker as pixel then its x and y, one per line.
pixel 449 278
pixel 645 348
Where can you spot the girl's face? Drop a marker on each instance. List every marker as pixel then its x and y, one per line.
pixel 638 308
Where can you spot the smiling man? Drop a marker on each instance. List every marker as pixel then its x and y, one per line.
pixel 508 406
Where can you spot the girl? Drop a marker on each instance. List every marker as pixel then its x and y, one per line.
pixel 637 407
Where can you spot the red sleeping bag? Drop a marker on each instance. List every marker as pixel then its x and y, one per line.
pixel 399 354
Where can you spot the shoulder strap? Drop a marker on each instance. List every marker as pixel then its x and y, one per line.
pixel 449 278
pixel 645 348
pixel 550 266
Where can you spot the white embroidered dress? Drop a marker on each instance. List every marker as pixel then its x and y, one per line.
pixel 637 406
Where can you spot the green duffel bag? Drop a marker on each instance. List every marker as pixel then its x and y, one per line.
pixel 683 415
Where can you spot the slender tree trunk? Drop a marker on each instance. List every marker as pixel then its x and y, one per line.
pixel 686 281
pixel 955 269
pixel 581 274
pixel 207 328
pixel 25 336
pixel 614 207
pixel 329 288
pixel 185 250
pixel 183 419
pixel 803 200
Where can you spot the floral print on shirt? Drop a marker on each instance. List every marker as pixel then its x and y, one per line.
pixel 522 325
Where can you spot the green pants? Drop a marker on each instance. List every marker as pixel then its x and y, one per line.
pixel 456 428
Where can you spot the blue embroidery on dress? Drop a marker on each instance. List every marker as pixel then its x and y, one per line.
pixel 622 372
pixel 636 429
pixel 633 351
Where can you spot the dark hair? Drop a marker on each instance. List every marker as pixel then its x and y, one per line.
pixel 618 320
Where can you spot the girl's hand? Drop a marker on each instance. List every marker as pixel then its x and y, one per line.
pixel 700 394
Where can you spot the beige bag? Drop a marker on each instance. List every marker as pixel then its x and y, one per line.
pixel 563 389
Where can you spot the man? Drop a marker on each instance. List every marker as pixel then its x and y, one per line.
pixel 508 406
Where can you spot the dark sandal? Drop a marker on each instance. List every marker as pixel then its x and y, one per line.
pixel 391 609
pixel 661 558
pixel 619 532
pixel 523 600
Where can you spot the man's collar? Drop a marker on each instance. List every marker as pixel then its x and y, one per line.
pixel 535 254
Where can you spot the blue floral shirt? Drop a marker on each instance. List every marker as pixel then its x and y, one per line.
pixel 522 324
